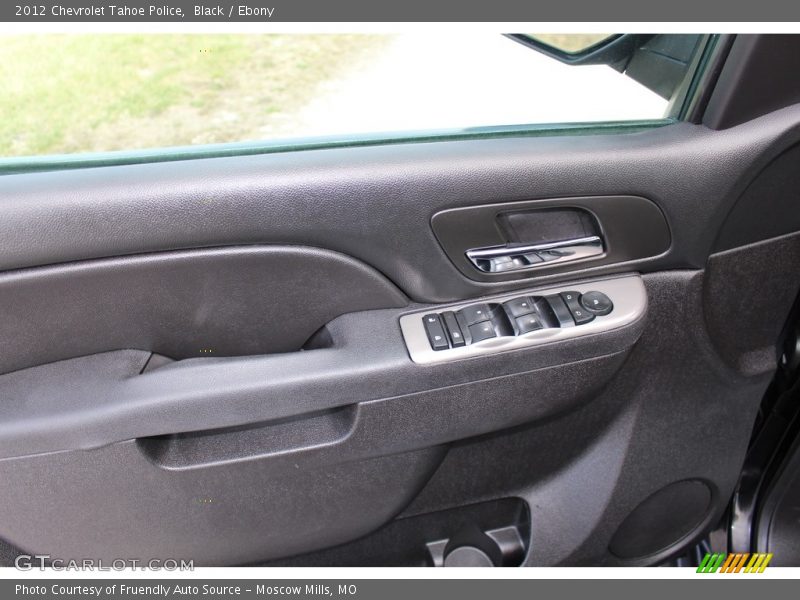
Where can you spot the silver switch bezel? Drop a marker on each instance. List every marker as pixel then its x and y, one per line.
pixel 627 293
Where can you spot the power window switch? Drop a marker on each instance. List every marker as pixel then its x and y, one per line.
pixel 527 323
pixel 576 309
pixel 435 332
pixel 482 331
pixel 519 306
pixel 476 313
pixel 453 329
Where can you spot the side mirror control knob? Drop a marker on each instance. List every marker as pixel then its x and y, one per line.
pixel 597 303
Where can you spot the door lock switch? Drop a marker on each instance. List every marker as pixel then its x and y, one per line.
pixel 435 332
pixel 578 311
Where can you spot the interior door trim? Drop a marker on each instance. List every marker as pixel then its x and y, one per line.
pixel 632 228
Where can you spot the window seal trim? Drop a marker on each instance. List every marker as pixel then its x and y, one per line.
pixel 59 162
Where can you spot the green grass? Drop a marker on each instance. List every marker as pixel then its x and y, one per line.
pixel 85 93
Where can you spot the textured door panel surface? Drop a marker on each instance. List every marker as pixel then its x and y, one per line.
pixel 203 358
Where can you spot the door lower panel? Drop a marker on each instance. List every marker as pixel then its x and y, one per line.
pixel 81 504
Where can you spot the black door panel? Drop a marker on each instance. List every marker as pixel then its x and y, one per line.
pixel 204 358
pixel 584 473
pixel 758 284
pixel 206 303
pixel 363 357
pixel 376 203
pixel 228 513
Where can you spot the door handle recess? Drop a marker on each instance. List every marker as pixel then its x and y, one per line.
pixel 512 257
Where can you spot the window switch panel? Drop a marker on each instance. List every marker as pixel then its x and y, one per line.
pixel 524 318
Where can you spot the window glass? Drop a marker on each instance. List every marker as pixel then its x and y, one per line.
pixel 88 93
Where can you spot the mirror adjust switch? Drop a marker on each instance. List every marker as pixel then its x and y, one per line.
pixel 435 331
pixel 560 310
pixel 597 303
pixel 475 313
pixel 453 329
pixel 579 313
pixel 482 331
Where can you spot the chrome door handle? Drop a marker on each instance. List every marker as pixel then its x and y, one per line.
pixel 512 257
